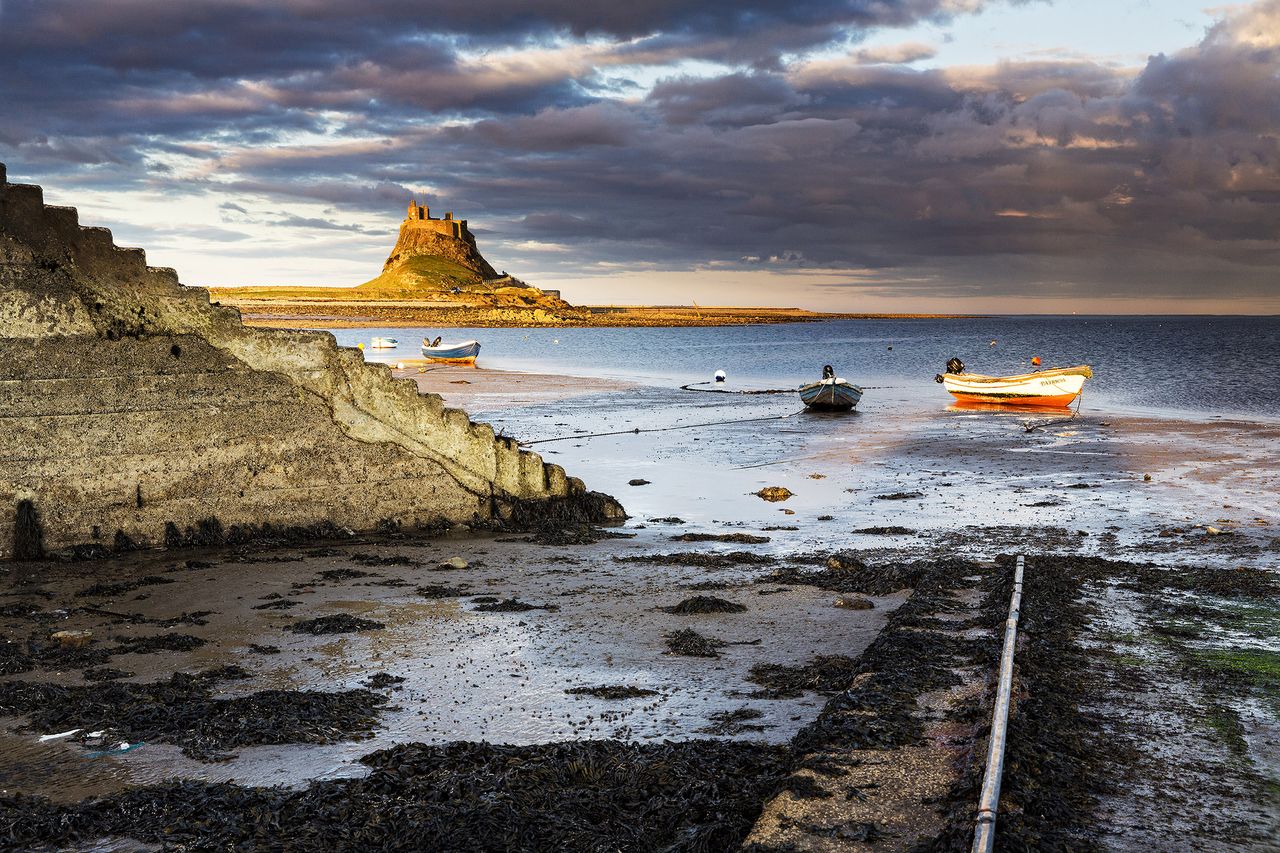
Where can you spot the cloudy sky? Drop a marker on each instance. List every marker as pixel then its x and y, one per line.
pixel 977 155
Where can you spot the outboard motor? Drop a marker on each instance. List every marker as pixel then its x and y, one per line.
pixel 954 365
pixel 828 372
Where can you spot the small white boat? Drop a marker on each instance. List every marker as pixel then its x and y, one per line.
pixel 383 343
pixel 831 394
pixel 1054 388
pixel 461 353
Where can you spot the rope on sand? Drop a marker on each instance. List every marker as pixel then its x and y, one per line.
pixel 1031 426
pixel 638 430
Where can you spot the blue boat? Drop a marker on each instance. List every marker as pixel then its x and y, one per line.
pixel 831 393
pixel 463 353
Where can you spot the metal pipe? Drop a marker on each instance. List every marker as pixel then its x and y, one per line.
pixel 984 834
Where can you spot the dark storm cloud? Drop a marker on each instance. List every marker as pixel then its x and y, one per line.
pixel 527 118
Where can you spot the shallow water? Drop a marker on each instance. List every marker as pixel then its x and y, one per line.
pixel 1158 365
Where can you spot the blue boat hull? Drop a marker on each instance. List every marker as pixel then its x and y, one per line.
pixel 463 353
pixel 830 396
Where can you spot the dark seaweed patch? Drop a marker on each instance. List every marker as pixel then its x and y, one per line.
pixel 157 643
pixel 705 604
pixel 180 710
pixel 436 590
pixel 104 588
pixel 704 559
pixel 342 574
pixel 278 604
pixel 691 644
pixel 692 796
pixel 737 538
pixel 823 674
pixel 512 605
pixel 338 624
pixel 621 691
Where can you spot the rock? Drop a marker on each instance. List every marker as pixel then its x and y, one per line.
pixel 637 482
pixel 454 563
pixel 774 493
pixel 1146 478
pixel 853 602
pixel 72 639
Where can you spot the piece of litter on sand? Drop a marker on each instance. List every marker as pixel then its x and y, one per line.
pixel 119 749
pixel 58 736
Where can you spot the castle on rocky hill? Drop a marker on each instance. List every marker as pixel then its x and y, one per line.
pixel 420 218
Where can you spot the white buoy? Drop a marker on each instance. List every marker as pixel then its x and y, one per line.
pixel 720 376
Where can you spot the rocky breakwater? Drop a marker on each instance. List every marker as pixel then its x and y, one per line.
pixel 133 412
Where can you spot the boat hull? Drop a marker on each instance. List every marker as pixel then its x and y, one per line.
pixel 463 353
pixel 830 396
pixel 1053 389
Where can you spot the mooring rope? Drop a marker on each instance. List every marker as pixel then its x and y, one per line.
pixel 638 430
pixel 1030 426
pixel 692 386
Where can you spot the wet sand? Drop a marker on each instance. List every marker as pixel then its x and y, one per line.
pixel 894 484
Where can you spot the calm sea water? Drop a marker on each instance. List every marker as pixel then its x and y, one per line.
pixel 1201 366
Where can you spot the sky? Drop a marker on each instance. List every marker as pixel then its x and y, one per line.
pixel 1011 156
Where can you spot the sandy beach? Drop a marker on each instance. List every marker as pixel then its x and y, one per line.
pixel 895 545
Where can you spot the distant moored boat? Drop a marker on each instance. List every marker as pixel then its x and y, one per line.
pixel 383 343
pixel 1055 388
pixel 831 393
pixel 462 353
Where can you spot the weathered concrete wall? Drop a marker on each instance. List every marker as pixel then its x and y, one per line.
pixel 129 406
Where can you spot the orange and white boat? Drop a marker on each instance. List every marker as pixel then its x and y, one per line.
pixel 1055 388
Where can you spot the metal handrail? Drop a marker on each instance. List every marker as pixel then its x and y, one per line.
pixel 984 834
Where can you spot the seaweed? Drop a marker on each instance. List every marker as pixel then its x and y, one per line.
pixel 337 624
pixel 705 604
pixel 691 644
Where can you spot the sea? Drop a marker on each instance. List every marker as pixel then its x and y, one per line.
pixel 1178 367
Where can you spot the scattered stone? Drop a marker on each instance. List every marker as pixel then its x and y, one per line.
pixel 898 496
pixel 383 680
pixel 622 691
pixel 774 493
pixel 853 602
pixel 264 650
pixel 637 482
pixel 105 673
pixel 338 624
pixel 705 604
pixel 691 644
pixel 72 639
pixel 668 519
pixel 890 530
pixel 454 563
pixel 826 518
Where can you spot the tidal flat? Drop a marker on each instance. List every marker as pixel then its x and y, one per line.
pixel 521 689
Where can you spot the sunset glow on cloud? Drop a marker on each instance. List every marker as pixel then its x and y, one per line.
pixel 848 154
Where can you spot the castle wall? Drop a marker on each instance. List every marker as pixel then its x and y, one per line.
pixel 132 410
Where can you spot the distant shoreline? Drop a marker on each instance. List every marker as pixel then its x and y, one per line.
pixel 350 313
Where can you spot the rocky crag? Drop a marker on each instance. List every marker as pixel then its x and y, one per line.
pixel 435 266
pixel 133 412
